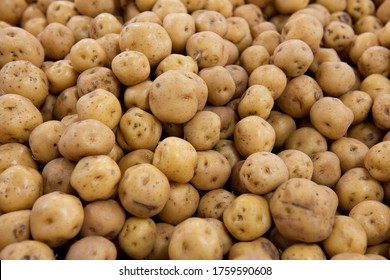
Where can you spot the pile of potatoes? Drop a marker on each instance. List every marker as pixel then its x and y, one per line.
pixel 195 129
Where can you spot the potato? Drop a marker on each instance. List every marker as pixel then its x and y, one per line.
pixel 138 96
pixel 110 44
pixel 225 7
pixel 104 23
pixel 298 163
pixel 213 203
pixel 360 43
pixel 306 139
pixel 341 74
pixel 253 57
pixel 143 190
pixel 357 8
pixel 283 126
pixel 270 39
pixel 240 78
pixel 326 168
pixel 257 100
pixel 383 35
pixel 87 53
pixel 61 75
pixel 143 5
pixel 145 16
pixel 374 60
pixel 15 11
pixel 259 249
pixel 60 12
pixel 163 8
pixel 79 24
pixel 95 8
pixel 303 210
pixel 293 56
pixel 333 5
pixel 20 187
pixel 299 96
pixel 348 256
pixel 227 148
pixel 303 251
pixel 287 7
pixel 56 176
pixel 253 134
pixel 263 172
pixel 228 118
pixel 18 44
pixel 177 62
pixel 366 132
pixel 95 177
pixel 359 102
pixel 375 84
pixel 325 114
pixel 195 239
pixel 261 27
pixel 338 35
pixel 101 105
pixel 380 111
pixel 137 237
pixel 251 12
pixel 55 218
pixel 347 236
pixel 235 182
pixel 14 227
pixel 323 55
pixel 176 158
pixel 163 237
pixel 374 216
pixel 16 154
pixel 203 130
pixel 381 249
pixel 224 235
pixel 135 157
pixel 65 103
pixel 27 250
pixel 92 248
pixel 238 33
pixel 187 89
pixel 209 20
pixel 377 163
pixel 182 203
pixel 86 138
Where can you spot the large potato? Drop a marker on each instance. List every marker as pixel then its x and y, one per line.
pixel 14 227
pixel 303 210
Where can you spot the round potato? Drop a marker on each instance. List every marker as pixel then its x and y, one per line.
pixel 180 27
pixel 359 102
pixel 16 154
pixel 248 217
pixel 138 96
pixel 20 187
pixel 195 239
pixel 298 163
pixel 143 190
pixel 14 227
pixel 375 60
pixel 27 250
pixel 65 103
pixel 338 35
pixel 135 157
pixel 137 237
pixel 342 76
pixel 176 61
pixel 375 84
pixel 55 218
pixel 213 203
pixel 223 234
pixel 350 151
pixel 87 53
pixel 283 125
pixel 163 238
pixel 228 118
pixel 176 158
pixel 56 176
pixel 303 210
pixel 227 148
pixel 376 161
pixel 303 251
pixel 61 75
pixel 258 249
pixel 380 111
pixel 326 168
pixel 257 100
pixel 95 8
pixel 308 140
pixel 104 23
pixel 209 20
pixel 92 248
pixel 86 138
pixel 366 132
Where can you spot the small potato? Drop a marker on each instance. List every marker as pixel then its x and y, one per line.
pixel 44 139
pixel 283 125
pixel 27 250
pixel 253 57
pixel 104 23
pixel 35 25
pixel 86 138
pixel 338 35
pixel 350 151
pixel 203 130
pixel 375 84
pixel 135 157
pixel 298 163
pixel 360 43
pixel 138 96
pixel 211 172
pixel 228 118
pixel 176 158
pixel 61 75
pixel 326 168
pixel 110 44
pixel 24 78
pixel 269 39
pixel 238 33
pixel 359 102
pixel 177 62
pixel 55 218
pixel 303 251
pixel 213 203
pixel 98 78
pixel 299 96
pixel 16 154
pixel 18 44
pixel 207 48
pixel 20 187
pixel 15 10
pixel 381 111
pixel 366 132
pixel 253 134
pixel 357 185
pixel 348 256
pixel 163 238
pixel 182 203
pixel 258 249
pixel 308 140
pixel 65 103
pixel 375 60
pixel 101 105
pixel 145 16
pixel 137 237
pixel 92 248
pixel 325 115
pixel 323 55
pixel 240 77
pixel 56 176
pixel 357 8
pixel 347 236
pixel 180 26
pixel 60 12
pixel 383 35
pixel 263 172
pixel 103 218
pixel 293 56
pixel 47 108
pixel 287 7
pixel 380 249
pixel 79 24
pixel 257 100
pixel 143 190
pixel 236 184
pixel 271 77
pixel 140 129
pixel 165 7
pixel 209 20
pixel 131 67
pixel 147 37
pixel 223 234
pixel 376 161
pixel 303 210
pixel 227 148
pixel 340 73
pixel 247 217
pixel 195 239
pixel 187 89
pixel 374 216
pixel 95 8
pixel 87 53
pixel 95 177
pixel 333 5
pixel 14 227
pixel 225 7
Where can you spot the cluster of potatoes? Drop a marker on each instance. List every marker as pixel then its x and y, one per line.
pixel 195 129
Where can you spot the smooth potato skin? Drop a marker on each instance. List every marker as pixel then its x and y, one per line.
pixel 27 250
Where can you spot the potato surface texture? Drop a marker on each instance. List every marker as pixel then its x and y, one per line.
pixel 195 129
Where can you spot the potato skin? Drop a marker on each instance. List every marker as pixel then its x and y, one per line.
pixel 14 227
pixel 27 250
pixel 92 248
